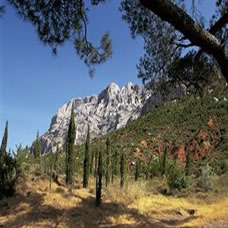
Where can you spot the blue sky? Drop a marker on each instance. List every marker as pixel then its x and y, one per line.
pixel 34 83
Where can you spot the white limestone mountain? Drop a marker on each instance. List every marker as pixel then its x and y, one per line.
pixel 113 108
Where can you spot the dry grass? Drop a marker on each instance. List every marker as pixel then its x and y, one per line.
pixel 133 206
pixel 131 192
pixel 167 207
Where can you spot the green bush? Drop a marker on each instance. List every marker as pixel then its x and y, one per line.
pixel 155 168
pixel 224 165
pixel 206 178
pixel 24 160
pixel 220 166
pixel 176 178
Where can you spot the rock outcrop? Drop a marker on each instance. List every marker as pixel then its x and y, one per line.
pixel 113 108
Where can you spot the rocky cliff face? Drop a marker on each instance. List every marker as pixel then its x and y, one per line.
pixel 113 108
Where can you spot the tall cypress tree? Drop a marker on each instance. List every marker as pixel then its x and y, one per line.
pixel 137 169
pixel 8 168
pixel 91 169
pixel 96 162
pixel 187 164
pixel 56 161
pixel 86 169
pixel 122 169
pixel 164 160
pixel 70 149
pixel 107 171
pixel 112 170
pixel 116 168
pixel 4 144
pixel 99 178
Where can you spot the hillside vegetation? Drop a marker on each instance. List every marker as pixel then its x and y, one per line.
pixel 169 168
pixel 195 125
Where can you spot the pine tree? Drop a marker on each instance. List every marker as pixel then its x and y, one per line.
pixel 26 149
pixel 122 169
pixel 99 179
pixel 70 149
pixel 4 145
pixel 86 169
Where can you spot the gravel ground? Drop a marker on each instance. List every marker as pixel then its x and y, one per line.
pixel 218 224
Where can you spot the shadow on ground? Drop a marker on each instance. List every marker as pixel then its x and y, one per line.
pixel 85 215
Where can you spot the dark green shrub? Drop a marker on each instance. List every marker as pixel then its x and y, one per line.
pixel 7 168
pixel 7 176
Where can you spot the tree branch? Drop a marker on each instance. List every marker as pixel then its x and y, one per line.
pixel 214 28
pixel 219 24
pixel 173 14
pixel 84 22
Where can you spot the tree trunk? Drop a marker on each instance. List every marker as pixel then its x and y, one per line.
pixel 171 13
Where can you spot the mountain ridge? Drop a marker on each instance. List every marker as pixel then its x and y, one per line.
pixel 111 109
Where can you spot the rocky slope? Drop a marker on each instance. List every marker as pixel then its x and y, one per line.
pixel 113 108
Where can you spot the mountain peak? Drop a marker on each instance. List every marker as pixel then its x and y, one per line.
pixel 113 87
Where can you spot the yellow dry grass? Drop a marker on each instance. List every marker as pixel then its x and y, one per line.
pixel 131 207
pixel 166 207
